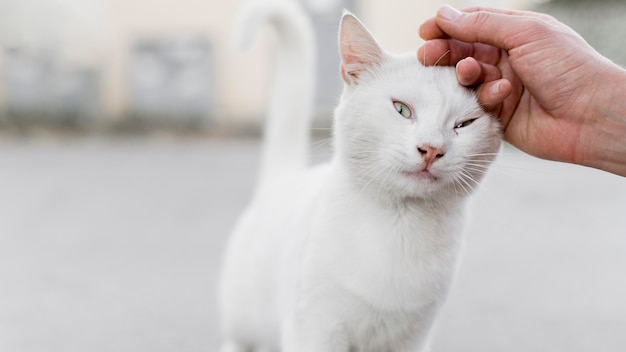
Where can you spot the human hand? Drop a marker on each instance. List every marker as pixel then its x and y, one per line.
pixel 549 88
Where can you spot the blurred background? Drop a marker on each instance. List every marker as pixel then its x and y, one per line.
pixel 129 137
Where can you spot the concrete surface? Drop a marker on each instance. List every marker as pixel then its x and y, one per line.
pixel 113 245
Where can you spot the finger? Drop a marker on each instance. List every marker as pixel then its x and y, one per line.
pixel 429 30
pixel 485 53
pixel 492 90
pixel 436 51
pixel 511 103
pixel 471 72
pixel 493 93
pixel 501 29
pixel 528 14
pixel 501 11
pixel 449 52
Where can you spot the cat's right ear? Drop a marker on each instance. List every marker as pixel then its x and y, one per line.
pixel 359 50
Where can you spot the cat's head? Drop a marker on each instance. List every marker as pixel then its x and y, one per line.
pixel 405 130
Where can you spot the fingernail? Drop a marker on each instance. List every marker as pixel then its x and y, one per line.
pixel 450 13
pixel 495 89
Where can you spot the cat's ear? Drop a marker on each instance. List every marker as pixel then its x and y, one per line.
pixel 359 50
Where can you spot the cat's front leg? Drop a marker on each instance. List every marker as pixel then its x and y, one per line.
pixel 231 346
pixel 313 334
pixel 321 343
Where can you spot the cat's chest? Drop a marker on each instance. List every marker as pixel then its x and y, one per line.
pixel 391 260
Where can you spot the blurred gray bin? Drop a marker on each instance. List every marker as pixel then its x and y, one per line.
pixel 171 81
pixel 40 88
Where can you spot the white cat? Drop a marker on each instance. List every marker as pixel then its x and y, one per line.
pixel 357 254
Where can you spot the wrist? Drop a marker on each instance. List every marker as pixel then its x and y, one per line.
pixel 603 136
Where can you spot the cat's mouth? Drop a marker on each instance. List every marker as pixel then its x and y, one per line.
pixel 421 174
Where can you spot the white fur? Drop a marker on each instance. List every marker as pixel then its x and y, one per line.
pixel 358 254
pixel 287 132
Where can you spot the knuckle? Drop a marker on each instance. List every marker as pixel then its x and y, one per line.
pixel 480 18
pixel 536 25
pixel 534 29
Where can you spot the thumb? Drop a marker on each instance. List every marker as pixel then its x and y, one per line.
pixel 499 28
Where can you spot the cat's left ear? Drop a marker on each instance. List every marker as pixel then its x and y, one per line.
pixel 359 50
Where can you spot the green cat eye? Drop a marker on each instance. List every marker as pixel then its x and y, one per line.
pixel 402 109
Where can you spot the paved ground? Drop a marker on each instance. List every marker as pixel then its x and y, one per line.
pixel 113 245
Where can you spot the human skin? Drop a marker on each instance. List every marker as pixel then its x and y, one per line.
pixel 557 97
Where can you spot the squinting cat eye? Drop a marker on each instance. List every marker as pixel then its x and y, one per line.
pixel 402 109
pixel 465 123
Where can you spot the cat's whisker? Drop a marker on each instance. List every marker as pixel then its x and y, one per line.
pixel 479 154
pixel 461 183
pixel 490 199
pixel 479 164
pixel 486 158
pixel 485 193
pixel 321 143
pixel 478 171
pixel 323 140
pixel 456 187
pixel 471 177
pixel 378 177
pixel 366 173
pixel 441 58
pixel 485 163
pixel 465 178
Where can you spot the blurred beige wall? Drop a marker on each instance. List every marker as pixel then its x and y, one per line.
pixel 100 33
pixel 237 79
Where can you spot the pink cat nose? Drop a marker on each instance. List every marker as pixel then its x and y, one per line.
pixel 430 153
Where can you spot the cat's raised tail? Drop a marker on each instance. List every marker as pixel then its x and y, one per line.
pixel 287 133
